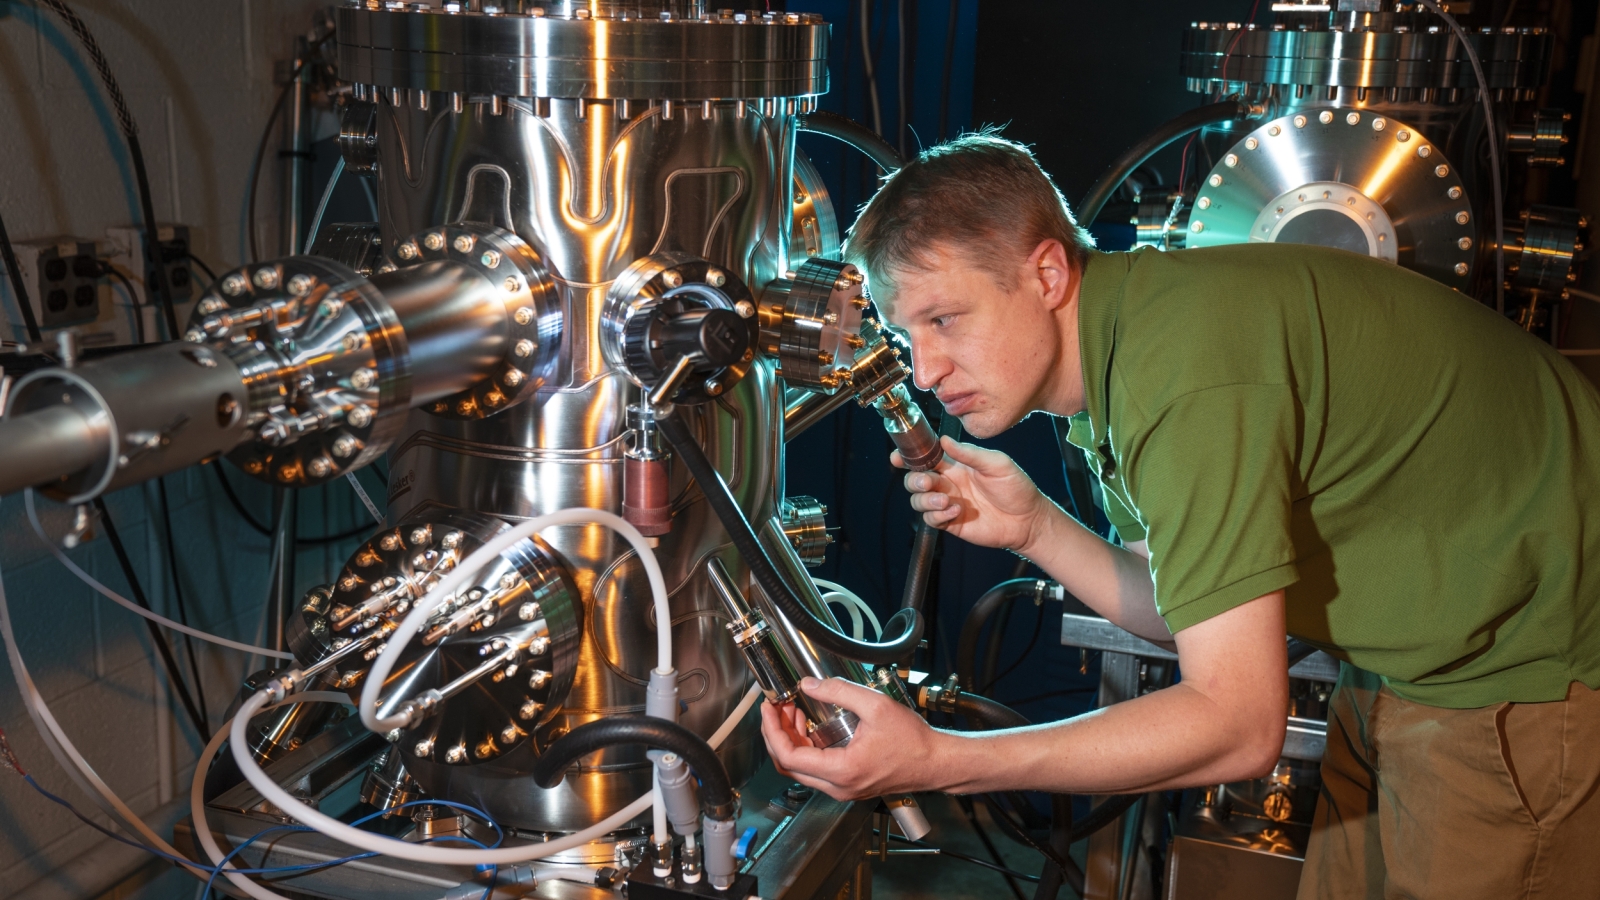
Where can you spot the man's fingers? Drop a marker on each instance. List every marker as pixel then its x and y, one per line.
pixel 841 693
pixel 941 517
pixel 971 455
pixel 930 502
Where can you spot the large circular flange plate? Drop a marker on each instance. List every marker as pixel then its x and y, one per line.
pixel 507 54
pixel 1360 161
pixel 691 282
pixel 812 323
pixel 322 354
pixel 533 312
pixel 524 598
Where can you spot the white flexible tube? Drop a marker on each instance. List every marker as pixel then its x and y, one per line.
pixel 366 840
pixel 129 605
pixel 61 747
pixel 852 598
pixel 413 622
pixel 197 798
pixel 858 628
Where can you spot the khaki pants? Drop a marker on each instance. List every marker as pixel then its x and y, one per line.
pixel 1422 802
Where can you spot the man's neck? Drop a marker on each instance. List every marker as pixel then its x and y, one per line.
pixel 1063 393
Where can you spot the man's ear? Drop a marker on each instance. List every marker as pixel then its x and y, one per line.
pixel 1048 263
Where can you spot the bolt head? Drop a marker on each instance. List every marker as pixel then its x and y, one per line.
pixel 1424 151
pixel 1462 217
pixel 420 536
pixel 1197 226
pixel 523 315
pixel 451 540
pixel 407 250
pixel 359 416
pixel 266 278
pixel 344 445
pixel 1461 268
pixel 455 754
pixel 1402 136
pixel 539 646
pixel 713 387
pixel 509 734
pixel 529 611
pixel 1230 160
pixel 390 542
pixel 331 307
pixel 1464 243
pixel 301 285
pixel 1216 181
pixel 320 466
pixel 434 241
pixel 351 341
pixel 671 279
pixel 1441 170
pixel 1251 143
pixel 423 748
pixel 529 710
pixel 463 243
pixel 1379 123
pixel 490 258
pixel 538 679
pixel 233 285
pixel 509 580
pixel 362 379
pixel 194 336
pixel 746 309
pixel 1454 193
pixel 1353 118
pixel 212 304
pixel 523 348
pixel 1300 121
pixel 716 278
pixel 1325 116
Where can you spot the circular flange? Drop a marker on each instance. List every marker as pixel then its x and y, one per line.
pixel 323 356
pixel 523 603
pixel 587 57
pixel 812 322
pixel 1369 182
pixel 686 281
pixel 533 312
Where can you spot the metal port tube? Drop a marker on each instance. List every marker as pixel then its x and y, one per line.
pixel 42 446
pixel 455 325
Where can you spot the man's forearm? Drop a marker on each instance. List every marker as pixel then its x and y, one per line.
pixel 1172 738
pixel 1111 580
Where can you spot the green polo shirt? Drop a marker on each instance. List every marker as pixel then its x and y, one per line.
pixel 1420 476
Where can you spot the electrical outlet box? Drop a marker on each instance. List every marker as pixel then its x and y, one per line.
pixel 65 287
pixel 127 256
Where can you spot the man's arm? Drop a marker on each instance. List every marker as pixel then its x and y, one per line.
pixel 1223 722
pixel 982 497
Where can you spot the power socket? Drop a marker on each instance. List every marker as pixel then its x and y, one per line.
pixel 66 290
pixel 127 256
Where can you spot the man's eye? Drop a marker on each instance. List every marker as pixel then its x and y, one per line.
pixel 942 321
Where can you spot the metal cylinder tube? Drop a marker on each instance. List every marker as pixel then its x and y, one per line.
pixel 145 413
pixel 48 445
pixel 455 325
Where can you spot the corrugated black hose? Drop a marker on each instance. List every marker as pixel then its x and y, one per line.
pixel 777 589
pixel 716 788
pixel 992 601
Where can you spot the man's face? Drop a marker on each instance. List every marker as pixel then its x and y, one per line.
pixel 985 348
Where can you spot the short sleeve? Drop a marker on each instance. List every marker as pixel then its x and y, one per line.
pixel 1213 476
pixel 1128 527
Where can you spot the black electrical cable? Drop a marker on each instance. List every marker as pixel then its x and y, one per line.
pixel 1051 879
pixel 261 151
pixel 157 636
pixel 256 526
pixel 857 135
pixel 9 256
pixel 925 546
pixel 1033 641
pixel 1176 127
pixel 133 298
pixel 155 266
pixel 870 68
pixel 177 590
pixel 203 267
pixel 1010 873
pixel 988 844
pixel 716 788
pixel 774 585
pixel 995 598
pixel 902 89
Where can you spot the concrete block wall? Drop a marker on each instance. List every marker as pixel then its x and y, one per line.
pixel 198 76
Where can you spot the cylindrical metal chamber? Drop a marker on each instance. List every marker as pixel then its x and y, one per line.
pixel 596 161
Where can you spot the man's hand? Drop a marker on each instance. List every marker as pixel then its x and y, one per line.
pixel 978 495
pixel 891 752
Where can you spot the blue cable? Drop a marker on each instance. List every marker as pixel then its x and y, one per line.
pixel 216 870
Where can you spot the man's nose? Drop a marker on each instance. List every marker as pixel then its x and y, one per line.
pixel 928 367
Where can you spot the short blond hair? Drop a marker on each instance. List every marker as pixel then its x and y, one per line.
pixel 979 194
